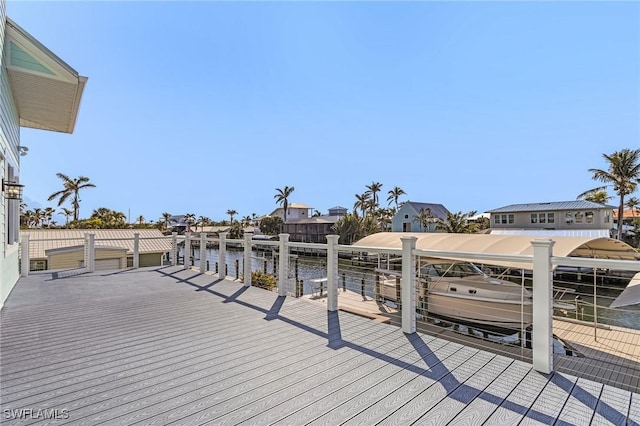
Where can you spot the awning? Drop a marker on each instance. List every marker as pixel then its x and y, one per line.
pixel 602 248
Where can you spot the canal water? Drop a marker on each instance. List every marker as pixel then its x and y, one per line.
pixel 354 278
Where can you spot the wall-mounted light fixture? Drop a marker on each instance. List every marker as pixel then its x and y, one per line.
pixel 23 150
pixel 12 190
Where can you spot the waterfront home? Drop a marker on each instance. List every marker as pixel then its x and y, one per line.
pixel 294 211
pixel 568 218
pixel 38 90
pixel 405 219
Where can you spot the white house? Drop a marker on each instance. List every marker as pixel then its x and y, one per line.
pixel 37 90
pixel 294 211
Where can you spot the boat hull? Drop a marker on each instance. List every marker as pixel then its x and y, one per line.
pixel 501 314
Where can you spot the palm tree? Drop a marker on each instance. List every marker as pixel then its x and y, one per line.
pixel 634 205
pixel 166 218
pixel 71 189
pixel 48 215
pixel 425 218
pixel 66 213
pixel 455 223
pixel 140 220
pixel 394 194
pixel 231 214
pixel 373 189
pixel 362 202
pixel 190 219
pixel 623 174
pixel 282 198
pixel 597 195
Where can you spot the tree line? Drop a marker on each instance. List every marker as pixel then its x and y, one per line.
pixel 622 175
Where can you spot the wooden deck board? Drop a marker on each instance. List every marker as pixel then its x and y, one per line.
pixel 159 345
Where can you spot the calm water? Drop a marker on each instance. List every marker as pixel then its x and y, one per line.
pixel 309 268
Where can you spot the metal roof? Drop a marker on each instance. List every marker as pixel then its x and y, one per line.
pixel 41 240
pixel 590 233
pixel 438 210
pixel 555 205
pixel 603 248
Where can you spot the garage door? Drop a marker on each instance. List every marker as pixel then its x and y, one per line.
pixel 105 264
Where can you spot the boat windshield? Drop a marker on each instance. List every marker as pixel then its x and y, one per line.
pixel 456 269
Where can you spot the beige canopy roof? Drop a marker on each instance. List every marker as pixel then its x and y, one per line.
pixel 603 248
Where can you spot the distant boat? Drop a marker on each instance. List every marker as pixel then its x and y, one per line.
pixel 460 291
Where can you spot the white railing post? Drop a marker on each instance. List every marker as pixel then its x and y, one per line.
pixel 542 306
pixel 136 250
pixel 174 248
pixel 203 252
pixel 222 256
pixel 187 251
pixel 408 295
pixel 90 252
pixel 24 260
pixel 332 272
pixel 246 264
pixel 283 262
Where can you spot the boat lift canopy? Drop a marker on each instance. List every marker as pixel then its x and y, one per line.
pixel 592 247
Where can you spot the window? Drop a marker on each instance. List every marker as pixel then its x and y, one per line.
pixel 503 219
pixel 579 217
pixel 543 218
pixel 588 216
pixel 569 218
pixel 607 216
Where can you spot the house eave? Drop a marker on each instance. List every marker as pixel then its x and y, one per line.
pixel 44 100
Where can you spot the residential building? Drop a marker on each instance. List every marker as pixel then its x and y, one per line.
pixel 313 229
pixel 566 218
pixel 51 249
pixel 406 218
pixel 37 90
pixel 294 211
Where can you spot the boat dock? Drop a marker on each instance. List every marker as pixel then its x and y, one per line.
pixel 171 345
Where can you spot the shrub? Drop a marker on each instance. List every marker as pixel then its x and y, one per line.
pixel 263 280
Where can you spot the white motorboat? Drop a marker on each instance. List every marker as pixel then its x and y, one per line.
pixel 461 292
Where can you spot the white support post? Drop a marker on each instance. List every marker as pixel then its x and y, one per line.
pixel 246 264
pixel 408 295
pixel 136 250
pixel 542 306
pixel 24 260
pixel 187 251
pixel 90 252
pixel 332 272
pixel 174 248
pixel 203 252
pixel 222 256
pixel 283 263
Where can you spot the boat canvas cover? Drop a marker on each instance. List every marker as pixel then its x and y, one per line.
pixel 630 295
pixel 508 245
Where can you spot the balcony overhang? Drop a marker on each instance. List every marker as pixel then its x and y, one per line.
pixel 46 90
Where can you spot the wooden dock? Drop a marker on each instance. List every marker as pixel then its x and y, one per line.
pixel 168 345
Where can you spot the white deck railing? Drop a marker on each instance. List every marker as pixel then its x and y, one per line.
pixel 542 263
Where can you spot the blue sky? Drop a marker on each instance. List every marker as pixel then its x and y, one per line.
pixel 202 107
